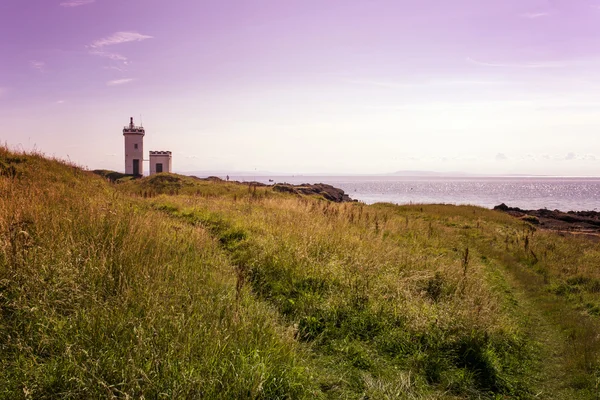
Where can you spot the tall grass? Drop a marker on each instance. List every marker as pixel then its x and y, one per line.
pixel 374 290
pixel 174 287
pixel 101 298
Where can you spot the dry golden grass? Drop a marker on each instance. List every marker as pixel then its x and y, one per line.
pixel 101 297
pixel 179 288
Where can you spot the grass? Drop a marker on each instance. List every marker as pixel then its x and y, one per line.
pixel 100 297
pixel 365 291
pixel 175 287
pixel 172 184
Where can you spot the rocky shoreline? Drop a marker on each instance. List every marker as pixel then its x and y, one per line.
pixel 319 189
pixel 324 190
pixel 572 221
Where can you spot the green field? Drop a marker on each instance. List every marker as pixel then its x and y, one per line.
pixel 174 287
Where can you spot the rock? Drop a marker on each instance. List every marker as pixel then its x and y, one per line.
pixel 532 219
pixel 501 207
pixel 320 189
pixel 577 221
pixel 253 183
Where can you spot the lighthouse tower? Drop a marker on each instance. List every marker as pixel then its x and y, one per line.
pixel 134 148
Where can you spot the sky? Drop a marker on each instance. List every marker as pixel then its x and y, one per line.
pixel 307 86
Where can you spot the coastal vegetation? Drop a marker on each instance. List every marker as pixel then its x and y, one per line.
pixel 178 287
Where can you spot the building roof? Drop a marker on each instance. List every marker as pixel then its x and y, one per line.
pixel 131 129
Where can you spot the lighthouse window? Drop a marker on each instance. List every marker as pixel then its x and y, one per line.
pixel 135 146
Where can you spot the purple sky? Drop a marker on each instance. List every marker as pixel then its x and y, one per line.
pixel 297 86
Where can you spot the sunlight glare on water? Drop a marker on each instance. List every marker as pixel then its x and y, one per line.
pixel 529 193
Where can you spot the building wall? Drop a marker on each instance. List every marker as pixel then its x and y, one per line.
pixel 131 153
pixel 163 158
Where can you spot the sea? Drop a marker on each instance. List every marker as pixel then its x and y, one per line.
pixel 565 194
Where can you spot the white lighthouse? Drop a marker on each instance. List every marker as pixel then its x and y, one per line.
pixel 134 148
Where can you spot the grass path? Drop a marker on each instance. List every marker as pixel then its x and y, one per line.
pixel 567 338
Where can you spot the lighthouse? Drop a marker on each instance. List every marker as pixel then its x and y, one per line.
pixel 134 148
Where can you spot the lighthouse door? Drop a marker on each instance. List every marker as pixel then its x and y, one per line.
pixel 136 167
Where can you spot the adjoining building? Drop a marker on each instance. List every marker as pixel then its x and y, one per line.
pixel 160 161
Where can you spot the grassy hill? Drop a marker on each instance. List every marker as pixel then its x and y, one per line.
pixel 176 287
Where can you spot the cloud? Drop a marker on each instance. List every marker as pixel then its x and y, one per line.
pixel 39 65
pixel 535 15
pixel 60 102
pixel 585 157
pixel 528 157
pixel 118 38
pixel 424 83
pixel 458 105
pixel 112 56
pixel 112 67
pixel 76 3
pixel 571 156
pixel 501 157
pixel 119 81
pixel 545 64
pixel 97 48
